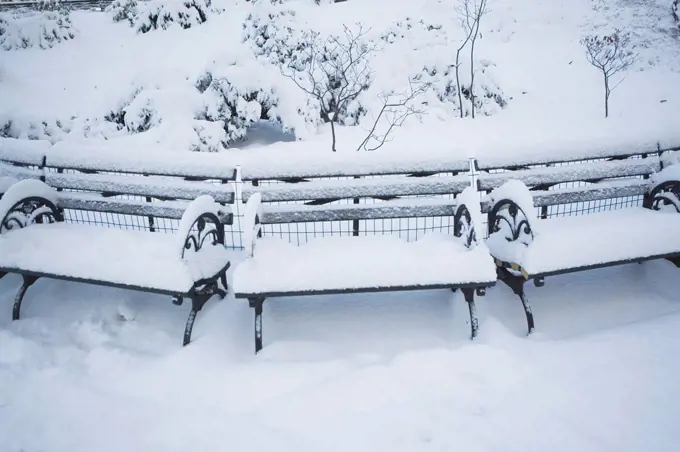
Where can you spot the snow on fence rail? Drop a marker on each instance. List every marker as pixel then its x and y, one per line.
pixel 317 183
pixel 69 4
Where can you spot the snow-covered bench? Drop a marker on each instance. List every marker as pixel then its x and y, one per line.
pixel 95 188
pixel 372 263
pixel 529 248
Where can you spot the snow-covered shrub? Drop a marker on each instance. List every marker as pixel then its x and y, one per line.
pixel 237 96
pixel 313 61
pixel 49 5
pixel 123 10
pixel 675 11
pixel 410 29
pixel 42 29
pixel 489 98
pixel 274 35
pixel 164 14
pixel 161 14
pixel 234 107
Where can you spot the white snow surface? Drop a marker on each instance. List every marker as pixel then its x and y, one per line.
pixel 336 263
pixel 362 372
pixel 578 241
pixel 127 257
pixel 554 108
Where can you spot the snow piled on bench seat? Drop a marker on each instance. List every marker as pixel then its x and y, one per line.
pixel 354 263
pixel 142 259
pixel 598 238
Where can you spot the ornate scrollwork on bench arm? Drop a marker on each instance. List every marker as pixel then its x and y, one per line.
pixel 508 218
pixel 664 195
pixel 28 211
pixel 207 227
pixel 463 226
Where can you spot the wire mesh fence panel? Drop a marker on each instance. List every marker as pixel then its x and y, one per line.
pixel 577 208
pixel 135 222
pixel 407 228
pixel 299 233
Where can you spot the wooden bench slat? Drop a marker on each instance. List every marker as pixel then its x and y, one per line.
pixel 96 203
pixel 572 173
pixel 164 188
pixel 343 212
pixel 358 188
pixel 594 192
pixel 361 164
pixel 19 172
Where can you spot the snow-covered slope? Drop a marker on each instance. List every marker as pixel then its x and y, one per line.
pixel 175 89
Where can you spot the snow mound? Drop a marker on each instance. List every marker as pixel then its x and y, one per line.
pixel 42 29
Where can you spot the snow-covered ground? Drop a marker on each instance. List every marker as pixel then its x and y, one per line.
pixel 89 368
pixel 98 369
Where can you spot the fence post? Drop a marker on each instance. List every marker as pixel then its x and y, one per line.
pixel 355 223
pixel 152 221
pixel 238 202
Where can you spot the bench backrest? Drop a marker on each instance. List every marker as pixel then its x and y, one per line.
pixel 564 186
pixel 146 187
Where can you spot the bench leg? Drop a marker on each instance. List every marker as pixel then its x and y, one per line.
pixel 28 282
pixel 516 283
pixel 198 300
pixel 469 295
pixel 257 303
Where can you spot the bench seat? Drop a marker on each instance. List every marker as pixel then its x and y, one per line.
pixel 141 259
pixel 367 263
pixel 579 242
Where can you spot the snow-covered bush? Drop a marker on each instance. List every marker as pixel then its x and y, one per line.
pixel 49 5
pixel 42 29
pixel 235 107
pixel 675 11
pixel 274 35
pixel 161 14
pixel 332 71
pixel 489 98
pixel 123 10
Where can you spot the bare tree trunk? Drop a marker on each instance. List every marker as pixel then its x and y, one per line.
pixel 333 133
pixel 472 76
pixel 460 95
pixel 606 95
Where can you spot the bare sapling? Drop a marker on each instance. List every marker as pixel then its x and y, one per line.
pixel 610 54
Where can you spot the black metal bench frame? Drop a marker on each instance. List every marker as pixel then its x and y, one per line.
pixel 463 228
pixel 506 211
pixel 207 228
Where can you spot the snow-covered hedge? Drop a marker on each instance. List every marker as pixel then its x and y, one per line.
pixel 161 14
pixel 43 29
pixel 276 37
pixel 236 97
pixel 489 98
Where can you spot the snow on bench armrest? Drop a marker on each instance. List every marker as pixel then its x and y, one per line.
pixel 470 199
pixel 24 190
pixel 251 223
